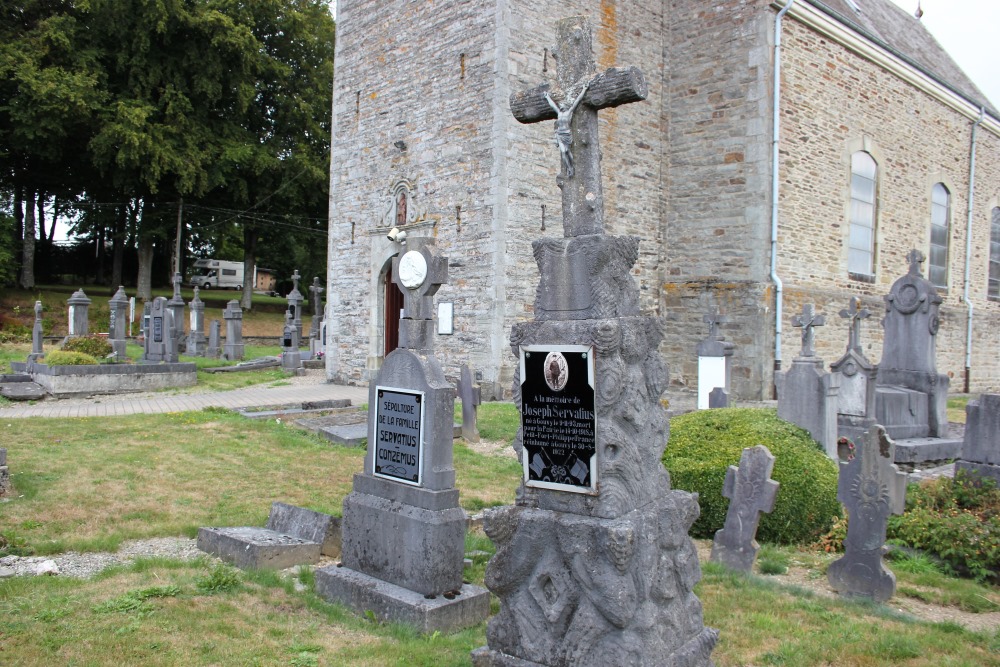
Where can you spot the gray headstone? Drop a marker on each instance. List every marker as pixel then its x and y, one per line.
pixel 291 357
pixel 718 398
pixel 233 315
pixel 807 321
pixel 159 337
pixel 36 334
pixel 981 447
pixel 214 331
pixel 118 323
pixel 176 305
pixel 471 396
pixel 196 342
pixel 593 564
pixel 403 532
pixel 872 488
pixel 751 491
pixel 79 305
pixel 856 378
pixel 295 303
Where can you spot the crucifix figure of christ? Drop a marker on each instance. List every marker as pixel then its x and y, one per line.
pixel 576 120
pixel 808 320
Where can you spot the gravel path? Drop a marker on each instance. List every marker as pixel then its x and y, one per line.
pixel 72 564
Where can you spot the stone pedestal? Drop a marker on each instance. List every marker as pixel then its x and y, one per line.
pixel 118 323
pixel 78 321
pixel 233 314
pixel 196 341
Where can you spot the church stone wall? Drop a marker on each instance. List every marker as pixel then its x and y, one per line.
pixel 835 102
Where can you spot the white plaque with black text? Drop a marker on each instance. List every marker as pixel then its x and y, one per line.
pixel 399 435
pixel 558 420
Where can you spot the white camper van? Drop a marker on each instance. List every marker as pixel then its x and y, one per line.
pixel 217 274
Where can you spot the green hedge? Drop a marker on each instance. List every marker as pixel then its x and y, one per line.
pixel 705 443
pixel 65 358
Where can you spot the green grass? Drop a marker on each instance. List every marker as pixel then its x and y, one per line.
pixel 956 408
pixel 497 421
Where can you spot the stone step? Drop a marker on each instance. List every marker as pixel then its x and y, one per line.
pixel 22 391
pixel 921 450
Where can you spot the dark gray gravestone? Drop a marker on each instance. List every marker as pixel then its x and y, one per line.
pixel 593 564
pixel 981 447
pixel 871 487
pixel 159 333
pixel 214 330
pixel 750 491
pixel 196 343
pixel 79 304
pixel 118 323
pixel 36 335
pixel 233 315
pixel 806 393
pixel 718 398
pixel 855 378
pixel 403 532
pixel 471 396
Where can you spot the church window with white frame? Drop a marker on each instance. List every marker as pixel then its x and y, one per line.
pixel 937 271
pixel 993 290
pixel 864 195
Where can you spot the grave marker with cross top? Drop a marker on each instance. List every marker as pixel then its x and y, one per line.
pixel 855 313
pixel 807 320
pixel 580 94
pixel 419 272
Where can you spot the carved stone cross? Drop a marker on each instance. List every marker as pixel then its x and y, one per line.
pixel 751 491
pixel 855 314
pixel 915 258
pixel 713 320
pixel 295 280
pixel 316 291
pixel 573 105
pixel 807 320
pixel 177 285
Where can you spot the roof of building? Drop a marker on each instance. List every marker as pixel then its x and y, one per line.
pixel 903 34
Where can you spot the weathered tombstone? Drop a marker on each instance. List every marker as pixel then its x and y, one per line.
pixel 4 473
pixel 471 396
pixel 315 330
pixel 157 346
pixel 233 315
pixel 806 393
pixel 855 377
pixel 751 491
pixel 871 487
pixel 176 307
pixel 981 447
pixel 403 532
pixel 295 302
pixel 36 335
pixel 118 323
pixel 715 360
pixel 913 396
pixel 291 357
pixel 590 573
pixel 196 342
pixel 79 304
pixel 214 329
pixel 718 398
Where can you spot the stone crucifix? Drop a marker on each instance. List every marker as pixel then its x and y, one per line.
pixel 808 320
pixel 915 258
pixel 714 320
pixel 574 104
pixel 855 313
pixel 751 491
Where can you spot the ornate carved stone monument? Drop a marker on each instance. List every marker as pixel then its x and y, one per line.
pixel 751 491
pixel 403 532
pixel 871 488
pixel 593 564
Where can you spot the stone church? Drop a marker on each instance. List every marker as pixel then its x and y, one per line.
pixel 789 152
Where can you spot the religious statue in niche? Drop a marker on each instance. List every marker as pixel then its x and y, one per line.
pixel 402 209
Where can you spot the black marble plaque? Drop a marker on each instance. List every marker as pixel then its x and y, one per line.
pixel 157 329
pixel 558 421
pixel 399 434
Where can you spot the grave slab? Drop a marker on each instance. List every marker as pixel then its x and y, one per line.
pixel 465 606
pixel 922 450
pixel 350 435
pixel 253 548
pixel 307 525
pixel 22 391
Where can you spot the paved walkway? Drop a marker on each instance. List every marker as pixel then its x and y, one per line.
pixel 309 388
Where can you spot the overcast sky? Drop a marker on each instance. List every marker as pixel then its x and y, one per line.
pixel 965 28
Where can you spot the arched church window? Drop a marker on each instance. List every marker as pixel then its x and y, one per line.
pixel 861 235
pixel 937 271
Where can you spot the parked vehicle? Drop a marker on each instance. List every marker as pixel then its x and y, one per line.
pixel 217 274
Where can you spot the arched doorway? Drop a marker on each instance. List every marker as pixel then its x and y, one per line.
pixel 393 312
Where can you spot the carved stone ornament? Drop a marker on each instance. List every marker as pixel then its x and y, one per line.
pixel 402 208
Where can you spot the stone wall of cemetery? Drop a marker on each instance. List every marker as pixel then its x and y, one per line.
pixel 835 102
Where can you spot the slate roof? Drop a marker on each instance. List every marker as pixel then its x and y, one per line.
pixel 901 33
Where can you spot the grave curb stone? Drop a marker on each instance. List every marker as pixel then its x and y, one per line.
pixel 254 548
pixel 307 525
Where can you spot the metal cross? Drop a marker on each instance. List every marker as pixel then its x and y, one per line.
pixel 574 105
pixel 807 320
pixel 855 314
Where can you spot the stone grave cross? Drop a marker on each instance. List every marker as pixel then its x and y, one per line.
pixel 751 491
pixel 915 258
pixel 177 285
pixel 316 291
pixel 714 320
pixel 574 105
pixel 855 314
pixel 808 320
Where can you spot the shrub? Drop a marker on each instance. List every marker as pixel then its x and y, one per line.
pixel 955 520
pixel 705 443
pixel 94 346
pixel 64 358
